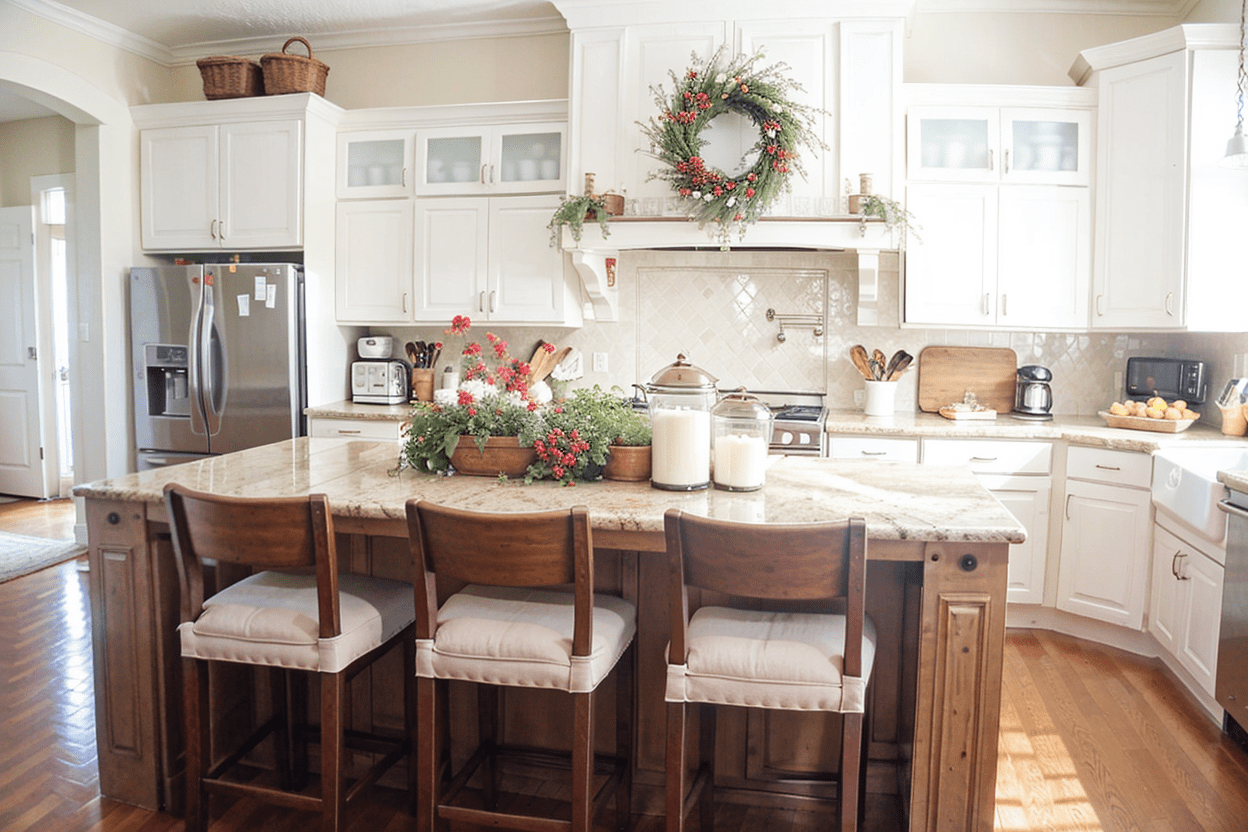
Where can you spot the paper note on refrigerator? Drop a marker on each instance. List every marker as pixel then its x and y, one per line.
pixel 260 284
pixel 270 298
pixel 244 306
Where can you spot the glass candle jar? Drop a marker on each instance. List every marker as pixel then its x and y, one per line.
pixel 740 431
pixel 680 399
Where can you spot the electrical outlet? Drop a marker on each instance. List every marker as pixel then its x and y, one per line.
pixel 600 362
pixel 859 396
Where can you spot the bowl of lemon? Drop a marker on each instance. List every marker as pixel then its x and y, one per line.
pixel 1155 414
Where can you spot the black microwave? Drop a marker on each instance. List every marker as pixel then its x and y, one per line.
pixel 1170 378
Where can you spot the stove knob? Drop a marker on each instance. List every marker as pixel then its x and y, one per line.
pixel 785 438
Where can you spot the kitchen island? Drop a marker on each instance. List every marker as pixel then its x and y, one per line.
pixel 938 550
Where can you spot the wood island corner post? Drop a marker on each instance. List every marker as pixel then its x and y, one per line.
pixel 124 652
pixel 958 707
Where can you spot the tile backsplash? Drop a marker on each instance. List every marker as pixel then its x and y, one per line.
pixel 712 307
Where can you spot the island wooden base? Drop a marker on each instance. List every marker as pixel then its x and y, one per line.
pixel 939 610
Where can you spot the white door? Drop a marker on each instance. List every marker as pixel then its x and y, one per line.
pixel 1044 263
pixel 21 454
pixel 451 250
pixel 261 186
pixel 525 272
pixel 374 261
pixel 951 276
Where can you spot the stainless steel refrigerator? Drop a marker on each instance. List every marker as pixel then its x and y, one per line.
pixel 219 361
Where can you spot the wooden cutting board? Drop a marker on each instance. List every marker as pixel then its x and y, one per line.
pixel 946 373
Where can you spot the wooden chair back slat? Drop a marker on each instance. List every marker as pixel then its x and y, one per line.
pixel 262 533
pixel 534 549
pixel 768 563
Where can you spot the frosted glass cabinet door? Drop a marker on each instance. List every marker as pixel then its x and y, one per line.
pixel 1051 147
pixel 375 164
pixel 527 158
pixel 953 144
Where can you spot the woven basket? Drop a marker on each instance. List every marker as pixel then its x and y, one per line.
pixel 225 76
pixel 293 73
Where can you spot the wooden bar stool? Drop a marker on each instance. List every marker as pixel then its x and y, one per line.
pixel 310 619
pixel 772 655
pixel 508 627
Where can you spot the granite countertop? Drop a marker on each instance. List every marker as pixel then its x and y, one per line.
pixel 1078 430
pixel 900 501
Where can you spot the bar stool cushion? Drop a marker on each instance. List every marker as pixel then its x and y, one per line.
pixel 788 661
pixel 522 637
pixel 271 618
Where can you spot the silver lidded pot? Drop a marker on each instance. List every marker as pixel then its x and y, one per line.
pixel 740 433
pixel 680 399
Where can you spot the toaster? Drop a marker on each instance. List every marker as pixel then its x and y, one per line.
pixel 379 382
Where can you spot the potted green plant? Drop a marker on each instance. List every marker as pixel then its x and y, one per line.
pixel 892 212
pixel 573 211
pixel 620 436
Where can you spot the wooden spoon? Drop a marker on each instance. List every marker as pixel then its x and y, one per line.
pixel 902 364
pixel 858 355
pixel 892 363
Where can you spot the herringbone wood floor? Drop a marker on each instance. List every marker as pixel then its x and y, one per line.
pixel 1091 739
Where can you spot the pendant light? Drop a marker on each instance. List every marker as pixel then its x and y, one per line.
pixel 1237 148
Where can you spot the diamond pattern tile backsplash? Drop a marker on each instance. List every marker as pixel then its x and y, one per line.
pixel 712 307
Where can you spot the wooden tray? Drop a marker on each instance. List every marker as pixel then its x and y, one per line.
pixel 959 415
pixel 1145 423
pixel 947 373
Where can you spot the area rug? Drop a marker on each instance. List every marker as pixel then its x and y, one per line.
pixel 21 555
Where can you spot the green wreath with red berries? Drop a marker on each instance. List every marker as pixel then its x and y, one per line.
pixel 709 88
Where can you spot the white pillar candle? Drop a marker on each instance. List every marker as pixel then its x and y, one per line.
pixel 740 460
pixel 680 447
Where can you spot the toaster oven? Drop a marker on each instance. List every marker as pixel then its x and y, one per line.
pixel 379 382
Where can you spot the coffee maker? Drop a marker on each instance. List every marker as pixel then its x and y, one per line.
pixel 1033 398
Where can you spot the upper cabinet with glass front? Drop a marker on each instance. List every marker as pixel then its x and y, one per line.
pixel 991 144
pixel 514 159
pixel 375 164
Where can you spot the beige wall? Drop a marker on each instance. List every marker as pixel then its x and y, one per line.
pixel 1214 11
pixel 990 48
pixel 32 148
pixel 449 72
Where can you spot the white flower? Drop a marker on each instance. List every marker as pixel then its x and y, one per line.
pixel 477 388
pixel 732 200
pixel 778 109
pixel 721 78
pixel 696 194
pixel 540 392
pixel 771 134
pixel 709 197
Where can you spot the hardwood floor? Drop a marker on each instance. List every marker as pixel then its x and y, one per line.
pixel 53 519
pixel 1092 740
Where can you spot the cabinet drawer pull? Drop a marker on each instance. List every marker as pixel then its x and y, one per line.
pixel 1005 160
pixel 1176 567
pixel 212 229
pixel 991 164
pixel 983 459
pixel 481 302
pixel 344 430
pixel 482 176
pixel 493 297
pixel 1170 304
pixel 1003 306
pixel 1100 305
pixel 874 453
pixel 1066 510
pixel 987 305
pixel 1108 467
pixel 403 178
pixel 405 303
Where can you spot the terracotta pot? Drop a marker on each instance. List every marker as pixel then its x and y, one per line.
pixel 628 463
pixel 502 455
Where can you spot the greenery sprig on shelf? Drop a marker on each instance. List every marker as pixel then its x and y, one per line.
pixel 573 211
pixel 892 212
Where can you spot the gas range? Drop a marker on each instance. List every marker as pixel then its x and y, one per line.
pixel 798 421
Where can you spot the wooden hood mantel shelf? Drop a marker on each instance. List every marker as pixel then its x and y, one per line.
pixel 595 257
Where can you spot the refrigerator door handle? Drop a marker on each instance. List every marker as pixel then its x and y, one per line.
pixel 213 364
pixel 199 420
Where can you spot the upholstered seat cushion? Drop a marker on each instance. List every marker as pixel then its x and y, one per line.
pixel 271 618
pixel 790 661
pixel 523 638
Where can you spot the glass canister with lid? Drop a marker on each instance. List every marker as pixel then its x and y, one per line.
pixel 740 433
pixel 680 399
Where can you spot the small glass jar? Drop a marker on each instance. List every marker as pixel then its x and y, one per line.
pixel 741 431
pixel 680 399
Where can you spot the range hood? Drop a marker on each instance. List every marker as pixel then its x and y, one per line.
pixel 595 257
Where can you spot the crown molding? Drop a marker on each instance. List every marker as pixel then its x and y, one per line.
pixel 1174 39
pixel 394 36
pixel 1161 8
pixel 96 28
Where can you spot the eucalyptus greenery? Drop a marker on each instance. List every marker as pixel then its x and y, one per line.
pixel 572 212
pixel 892 212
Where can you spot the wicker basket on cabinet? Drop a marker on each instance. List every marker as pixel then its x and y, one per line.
pixel 285 73
pixel 225 76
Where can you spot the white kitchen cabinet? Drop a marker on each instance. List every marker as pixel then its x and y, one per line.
pixel 849 63
pixel 1168 218
pixel 1184 613
pixel 873 448
pixel 1106 537
pixel 373 274
pixel 992 144
pixel 211 186
pixel 1018 474
pixel 375 164
pixel 511 159
pixel 355 428
pixel 1008 256
pixel 490 258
